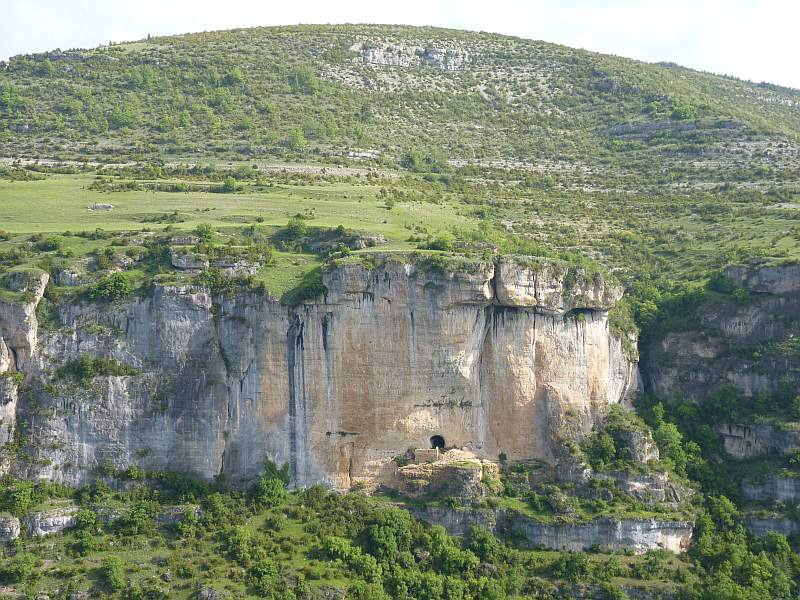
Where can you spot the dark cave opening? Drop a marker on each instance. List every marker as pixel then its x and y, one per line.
pixel 437 441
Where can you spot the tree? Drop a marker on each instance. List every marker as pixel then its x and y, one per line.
pixel 601 450
pixel 9 98
pixel 670 445
pixel 683 112
pixel 483 543
pixel 795 408
pixel 234 77
pixel 112 573
pixel 302 80
pixel 270 492
pixel 444 241
pixel 360 590
pixel 45 68
pixel 110 288
pixel 122 115
pixel 185 118
pixel 221 99
pixel 389 535
pixel 296 228
pixel 573 566
pixel 296 140
pixel 20 497
pixel 140 519
pixel 20 568
pixel 229 185
pixel 205 232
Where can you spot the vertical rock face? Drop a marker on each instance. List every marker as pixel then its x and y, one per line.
pixel 9 528
pixel 18 325
pixel 18 344
pixel 761 526
pixel 48 522
pixel 336 388
pixel 775 488
pixel 614 535
pixel 734 342
pixel 749 441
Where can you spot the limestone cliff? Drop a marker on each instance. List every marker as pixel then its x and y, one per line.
pixel 18 344
pixel 732 338
pixel 505 358
pixel 613 535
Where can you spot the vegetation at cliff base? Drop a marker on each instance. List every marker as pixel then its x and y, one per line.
pixel 159 535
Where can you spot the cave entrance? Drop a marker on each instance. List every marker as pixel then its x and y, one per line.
pixel 437 441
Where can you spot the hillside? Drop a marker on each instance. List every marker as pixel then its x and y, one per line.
pixel 573 118
pixel 544 300
pixel 628 163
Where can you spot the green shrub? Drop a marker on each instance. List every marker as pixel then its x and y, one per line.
pixel 228 186
pixel 270 492
pixel 113 287
pixel 575 567
pixel 86 367
pixel 600 450
pixel 21 568
pixel 302 80
pixel 112 573
pixel 296 228
pixel 205 231
pixel 50 244
pixel 139 519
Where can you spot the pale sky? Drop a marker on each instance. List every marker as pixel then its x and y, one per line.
pixel 751 39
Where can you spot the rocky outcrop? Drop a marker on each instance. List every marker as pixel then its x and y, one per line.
pixel 456 473
pixel 775 489
pixel 405 55
pixel 69 277
pixel 653 489
pixel 640 444
pixel 18 325
pixel 237 268
pixel 552 286
pixel 336 387
pixel 9 528
pixel 757 440
pixel 613 535
pixel 780 279
pixel 729 344
pixel 18 343
pixel 48 522
pixel 760 526
pixel 207 593
pixel 175 514
pixel 187 260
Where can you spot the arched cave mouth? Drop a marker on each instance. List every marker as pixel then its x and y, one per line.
pixel 437 441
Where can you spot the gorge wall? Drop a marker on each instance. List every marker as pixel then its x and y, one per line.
pixel 508 357
pixel 746 343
